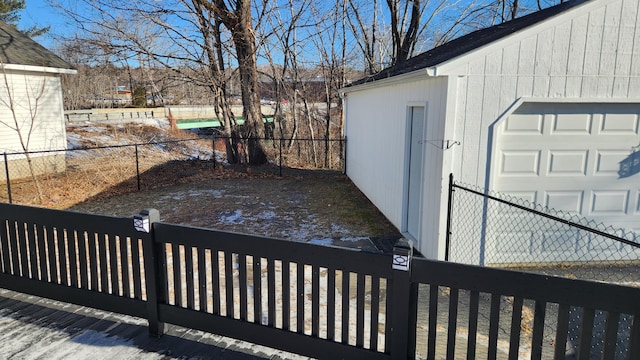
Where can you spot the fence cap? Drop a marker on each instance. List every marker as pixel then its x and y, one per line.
pixel 403 245
pixel 143 220
pixel 402 254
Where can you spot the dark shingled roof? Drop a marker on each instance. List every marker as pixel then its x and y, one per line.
pixel 469 42
pixel 17 48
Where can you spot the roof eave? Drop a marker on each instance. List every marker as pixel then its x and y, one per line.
pixel 428 72
pixel 40 69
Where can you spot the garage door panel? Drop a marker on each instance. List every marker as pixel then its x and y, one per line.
pixel 559 242
pixel 567 163
pixel 619 124
pixel 527 124
pixel 520 163
pixel 608 162
pixel 573 124
pixel 567 201
pixel 571 157
pixel 609 202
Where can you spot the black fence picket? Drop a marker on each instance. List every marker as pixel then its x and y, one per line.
pixel 319 301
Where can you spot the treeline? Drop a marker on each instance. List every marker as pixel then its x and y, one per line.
pixel 296 53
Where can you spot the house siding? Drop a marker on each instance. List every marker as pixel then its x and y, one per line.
pixel 376 147
pixel 49 129
pixel 37 100
pixel 584 55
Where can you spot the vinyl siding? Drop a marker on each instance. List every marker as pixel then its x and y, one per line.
pixel 376 133
pixel 38 107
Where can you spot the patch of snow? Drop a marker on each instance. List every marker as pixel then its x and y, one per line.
pixel 218 194
pixel 73 140
pixel 181 195
pixel 354 239
pixel 325 241
pixel 337 229
pixel 234 218
pixel 267 215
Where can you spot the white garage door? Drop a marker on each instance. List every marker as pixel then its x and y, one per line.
pixel 578 158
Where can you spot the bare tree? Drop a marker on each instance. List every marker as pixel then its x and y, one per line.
pixel 391 36
pixel 238 20
pixel 186 37
pixel 24 114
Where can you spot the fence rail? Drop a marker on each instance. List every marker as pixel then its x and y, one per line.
pixel 324 302
pixel 72 117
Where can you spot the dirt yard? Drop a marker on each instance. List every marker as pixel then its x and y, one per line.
pixel 325 208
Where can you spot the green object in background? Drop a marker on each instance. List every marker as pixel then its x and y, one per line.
pixel 211 122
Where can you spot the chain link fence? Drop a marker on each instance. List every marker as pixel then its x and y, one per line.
pixel 54 178
pixel 492 229
pixel 502 231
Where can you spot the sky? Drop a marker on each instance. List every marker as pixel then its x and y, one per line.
pixel 40 13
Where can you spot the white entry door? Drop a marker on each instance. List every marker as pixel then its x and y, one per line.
pixel 416 144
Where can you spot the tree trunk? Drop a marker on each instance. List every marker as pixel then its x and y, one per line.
pixel 239 22
pixel 253 128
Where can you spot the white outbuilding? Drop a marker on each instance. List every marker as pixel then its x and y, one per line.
pixel 31 104
pixel 545 107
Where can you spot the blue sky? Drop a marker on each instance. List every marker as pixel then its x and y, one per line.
pixel 40 13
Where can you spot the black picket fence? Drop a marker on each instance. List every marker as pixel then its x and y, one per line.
pixel 324 302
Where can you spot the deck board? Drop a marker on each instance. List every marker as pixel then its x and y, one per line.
pixel 34 327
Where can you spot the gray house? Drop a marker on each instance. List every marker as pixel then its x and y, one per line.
pixel 545 107
pixel 31 102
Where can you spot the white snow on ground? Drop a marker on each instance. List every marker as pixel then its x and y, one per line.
pixel 178 196
pixel 232 218
pixel 38 341
pixel 325 241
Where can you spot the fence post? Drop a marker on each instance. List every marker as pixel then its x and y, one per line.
pixel 280 157
pixel 137 168
pixel 449 215
pixel 403 303
pixel 6 171
pixel 153 268
pixel 343 143
pixel 213 149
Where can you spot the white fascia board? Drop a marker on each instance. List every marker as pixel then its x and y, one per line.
pixel 453 66
pixel 579 100
pixel 414 75
pixel 39 69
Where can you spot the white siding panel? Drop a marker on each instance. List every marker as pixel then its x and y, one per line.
pixel 542 69
pixel 526 67
pixel 609 49
pixel 575 62
pixel 472 124
pixel 592 54
pixel 38 112
pixel 376 135
pixel 634 75
pixel 559 59
pixel 625 48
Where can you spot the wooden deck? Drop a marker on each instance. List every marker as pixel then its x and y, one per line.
pixel 32 328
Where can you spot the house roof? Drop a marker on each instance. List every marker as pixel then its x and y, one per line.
pixel 17 48
pixel 469 42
